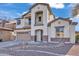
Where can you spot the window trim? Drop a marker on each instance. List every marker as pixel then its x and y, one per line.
pixel 36 24
pixel 59 31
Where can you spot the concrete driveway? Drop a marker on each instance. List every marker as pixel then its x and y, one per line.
pixel 27 50
pixel 16 48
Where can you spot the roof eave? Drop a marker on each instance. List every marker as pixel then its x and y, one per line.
pixel 74 23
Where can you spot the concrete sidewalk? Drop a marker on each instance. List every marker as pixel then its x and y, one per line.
pixel 74 51
pixel 5 55
pixel 9 43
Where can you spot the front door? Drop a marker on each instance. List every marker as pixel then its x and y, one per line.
pixel 39 35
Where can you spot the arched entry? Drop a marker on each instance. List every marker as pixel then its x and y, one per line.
pixel 38 35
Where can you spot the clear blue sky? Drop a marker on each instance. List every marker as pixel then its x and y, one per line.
pixel 12 10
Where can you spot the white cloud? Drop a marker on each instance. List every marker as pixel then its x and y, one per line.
pixel 54 5
pixel 24 12
pixel 57 5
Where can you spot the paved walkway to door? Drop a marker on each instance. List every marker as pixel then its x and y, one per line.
pixel 74 51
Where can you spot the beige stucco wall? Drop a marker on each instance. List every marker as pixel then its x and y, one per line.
pixel 24 22
pixel 62 23
pixel 49 34
pixel 45 18
pixel 72 33
pixel 51 17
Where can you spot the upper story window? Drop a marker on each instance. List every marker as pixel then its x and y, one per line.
pixel 18 22
pixel 60 29
pixel 39 18
pixel 29 21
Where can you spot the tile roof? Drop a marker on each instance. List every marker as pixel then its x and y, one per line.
pixel 7 29
pixel 64 19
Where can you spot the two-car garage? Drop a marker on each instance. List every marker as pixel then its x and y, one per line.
pixel 23 35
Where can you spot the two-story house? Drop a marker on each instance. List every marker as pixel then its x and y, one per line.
pixel 41 25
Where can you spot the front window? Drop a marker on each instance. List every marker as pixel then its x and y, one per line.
pixel 59 31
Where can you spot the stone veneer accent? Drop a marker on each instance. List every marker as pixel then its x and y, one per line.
pixel 45 38
pixel 60 39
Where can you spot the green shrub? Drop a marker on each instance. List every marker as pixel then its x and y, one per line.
pixel 77 38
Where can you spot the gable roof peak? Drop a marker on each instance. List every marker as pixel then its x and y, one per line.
pixel 39 3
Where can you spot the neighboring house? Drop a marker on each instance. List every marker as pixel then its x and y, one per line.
pixel 77 33
pixel 40 25
pixel 77 36
pixel 7 30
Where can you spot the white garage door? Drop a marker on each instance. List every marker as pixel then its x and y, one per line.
pixel 24 36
